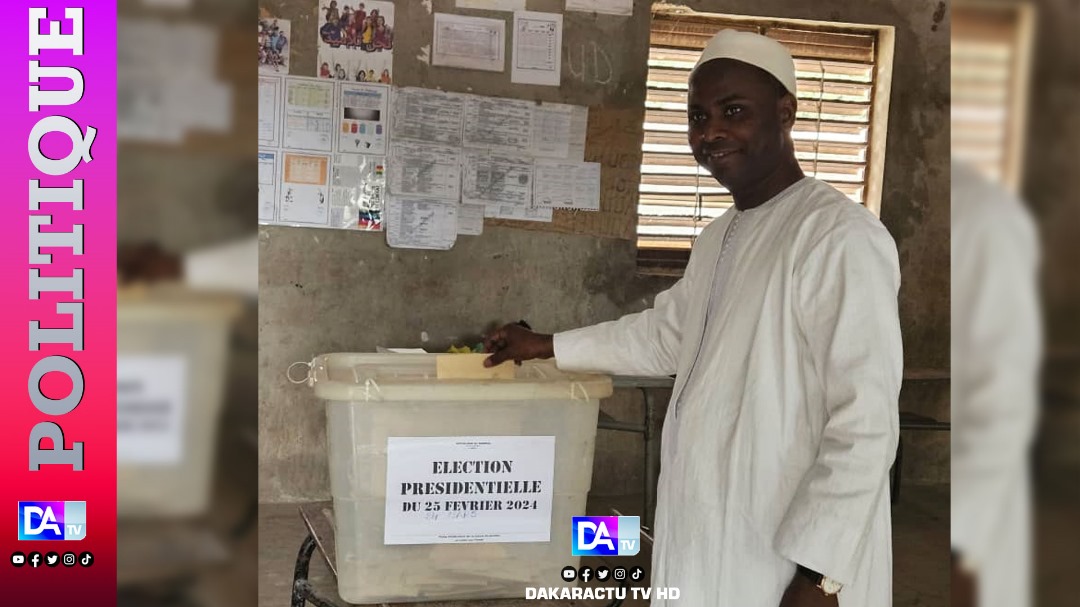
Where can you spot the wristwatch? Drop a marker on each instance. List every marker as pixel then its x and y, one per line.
pixel 826 584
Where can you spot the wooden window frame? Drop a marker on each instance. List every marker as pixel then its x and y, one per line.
pixel 964 19
pixel 672 261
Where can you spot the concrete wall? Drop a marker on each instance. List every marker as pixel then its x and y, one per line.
pixel 324 291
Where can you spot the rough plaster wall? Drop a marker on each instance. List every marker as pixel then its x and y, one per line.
pixel 324 291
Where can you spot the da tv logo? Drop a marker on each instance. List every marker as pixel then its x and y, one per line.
pixel 52 521
pixel 606 535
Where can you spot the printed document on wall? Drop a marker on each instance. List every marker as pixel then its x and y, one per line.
pixel 471 219
pixel 537 48
pixel 551 130
pixel 498 124
pixel 493 5
pixel 428 116
pixel 609 7
pixel 357 191
pixel 497 180
pixel 567 185
pixel 363 119
pixel 579 127
pixel 471 43
pixel 309 114
pixel 416 223
pixel 426 171
pixel 269 110
pixel 268 180
pixel 540 214
pixel 305 195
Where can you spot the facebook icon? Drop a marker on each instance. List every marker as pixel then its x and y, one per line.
pixel 606 535
pixel 52 520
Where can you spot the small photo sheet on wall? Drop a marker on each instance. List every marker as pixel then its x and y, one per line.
pixel 356 43
pixel 275 44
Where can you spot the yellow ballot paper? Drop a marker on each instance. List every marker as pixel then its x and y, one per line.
pixel 471 366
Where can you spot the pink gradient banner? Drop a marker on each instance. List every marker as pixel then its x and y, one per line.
pixel 67 381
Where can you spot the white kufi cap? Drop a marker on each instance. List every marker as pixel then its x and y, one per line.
pixel 759 51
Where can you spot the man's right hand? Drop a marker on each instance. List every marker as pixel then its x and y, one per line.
pixel 515 342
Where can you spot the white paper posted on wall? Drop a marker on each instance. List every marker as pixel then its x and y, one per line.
pixel 498 124
pixel 426 171
pixel 537 57
pixel 471 219
pixel 551 132
pixel 538 214
pixel 268 184
pixel 151 400
pixel 609 7
pixel 357 192
pixel 309 114
pixel 364 115
pixel 269 110
pixel 567 185
pixel 427 116
pixel 492 489
pixel 419 223
pixel 493 5
pixel 497 180
pixel 167 82
pixel 469 42
pixel 305 191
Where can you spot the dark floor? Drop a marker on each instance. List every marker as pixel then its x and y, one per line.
pixel 921 553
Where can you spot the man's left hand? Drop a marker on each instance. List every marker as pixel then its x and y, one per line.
pixel 803 593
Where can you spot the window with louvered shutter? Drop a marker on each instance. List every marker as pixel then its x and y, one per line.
pixel 991 49
pixel 836 70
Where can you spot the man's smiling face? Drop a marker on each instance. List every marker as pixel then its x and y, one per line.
pixel 739 118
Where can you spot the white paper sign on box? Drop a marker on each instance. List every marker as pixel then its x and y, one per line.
pixel 469 489
pixel 151 394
